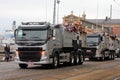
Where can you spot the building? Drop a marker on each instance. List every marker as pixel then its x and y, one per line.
pixel 71 19
pixel 93 25
pixel 82 22
pixel 112 26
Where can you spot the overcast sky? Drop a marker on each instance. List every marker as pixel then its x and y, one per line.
pixel 42 10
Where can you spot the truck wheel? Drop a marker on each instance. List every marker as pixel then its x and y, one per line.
pixel 113 57
pixel 72 59
pixel 81 59
pixel 23 66
pixel 55 62
pixel 110 57
pixel 77 61
pixel 103 57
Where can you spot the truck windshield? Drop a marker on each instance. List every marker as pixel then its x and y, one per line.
pixel 92 40
pixel 31 34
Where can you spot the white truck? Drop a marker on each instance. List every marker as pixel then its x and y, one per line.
pixel 98 47
pixel 40 43
pixel 117 51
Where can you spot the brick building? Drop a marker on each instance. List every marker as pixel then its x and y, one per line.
pixel 114 24
pixel 93 25
pixel 84 24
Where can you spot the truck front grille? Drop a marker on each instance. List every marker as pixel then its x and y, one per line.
pixel 29 54
pixel 90 52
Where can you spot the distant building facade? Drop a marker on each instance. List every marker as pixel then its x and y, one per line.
pixel 93 25
pixel 86 26
pixel 114 24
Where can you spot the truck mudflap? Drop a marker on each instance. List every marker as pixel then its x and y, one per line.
pixel 89 52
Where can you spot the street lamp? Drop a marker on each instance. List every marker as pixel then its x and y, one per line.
pixel 54 12
pixel 58 2
pixel 110 19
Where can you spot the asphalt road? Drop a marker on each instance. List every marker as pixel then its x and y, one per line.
pixel 90 70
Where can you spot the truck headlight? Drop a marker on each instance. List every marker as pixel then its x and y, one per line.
pixel 17 54
pixel 43 55
pixel 16 58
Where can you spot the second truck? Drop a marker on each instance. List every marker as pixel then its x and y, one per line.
pixel 98 46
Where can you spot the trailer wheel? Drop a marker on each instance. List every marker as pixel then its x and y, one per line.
pixel 23 66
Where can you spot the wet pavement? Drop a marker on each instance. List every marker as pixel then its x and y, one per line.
pixel 90 70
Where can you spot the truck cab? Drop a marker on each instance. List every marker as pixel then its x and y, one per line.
pixel 32 40
pixel 97 46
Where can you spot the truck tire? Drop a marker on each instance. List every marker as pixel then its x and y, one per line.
pixel 113 56
pixel 23 66
pixel 110 57
pixel 102 58
pixel 77 59
pixel 81 59
pixel 72 59
pixel 55 63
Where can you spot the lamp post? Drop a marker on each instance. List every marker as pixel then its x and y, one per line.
pixel 54 12
pixel 58 2
pixel 110 20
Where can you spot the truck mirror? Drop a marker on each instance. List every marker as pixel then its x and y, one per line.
pixel 15 32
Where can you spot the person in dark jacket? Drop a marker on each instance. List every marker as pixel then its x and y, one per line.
pixel 7 52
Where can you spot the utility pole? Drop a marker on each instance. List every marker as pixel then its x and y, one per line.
pixel 110 29
pixel 54 12
pixel 58 2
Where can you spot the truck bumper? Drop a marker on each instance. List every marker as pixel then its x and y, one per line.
pixel 41 62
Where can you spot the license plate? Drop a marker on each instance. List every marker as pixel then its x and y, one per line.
pixel 30 63
pixel 88 51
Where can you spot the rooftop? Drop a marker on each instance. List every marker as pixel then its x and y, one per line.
pixel 104 21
